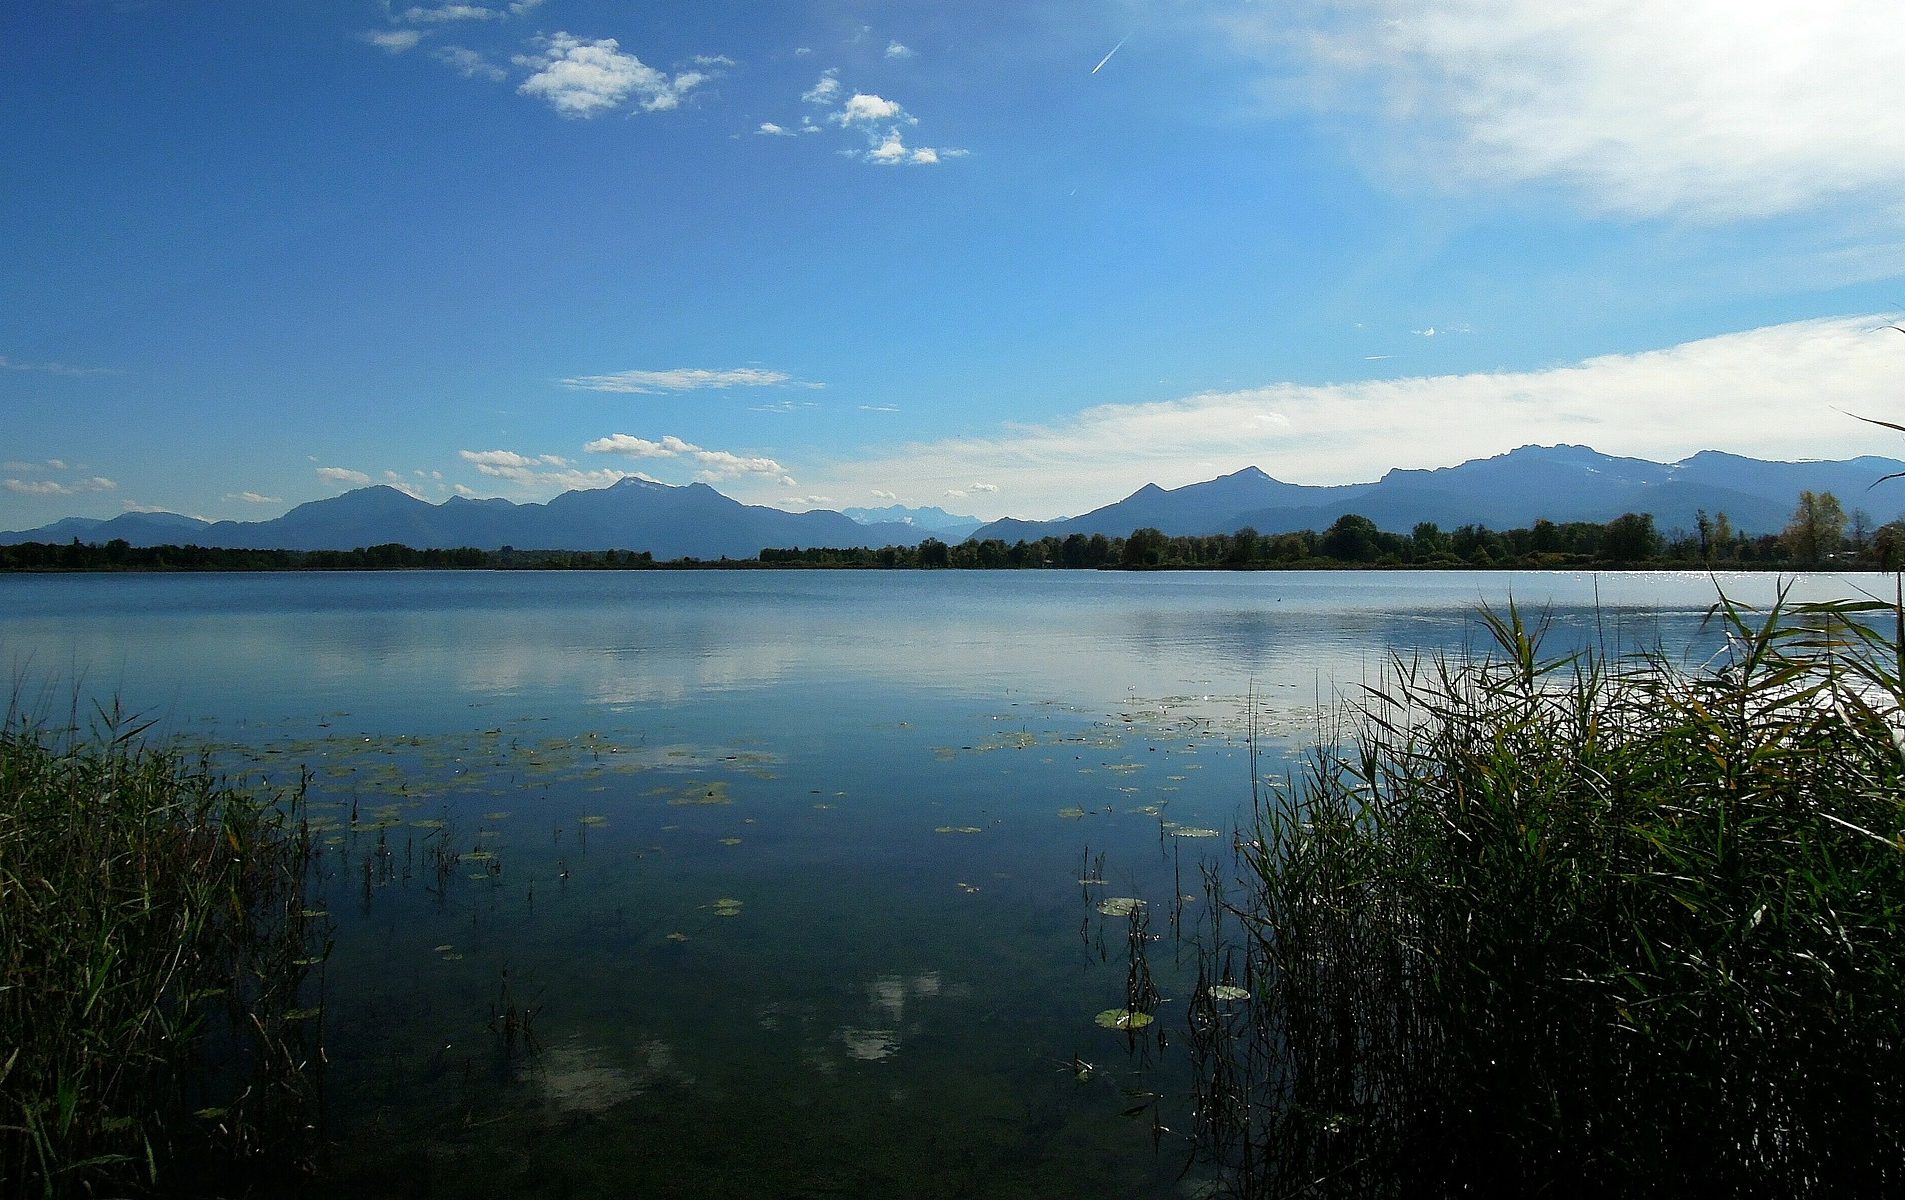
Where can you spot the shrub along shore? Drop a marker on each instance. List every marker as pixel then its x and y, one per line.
pixel 1573 927
pixel 155 1036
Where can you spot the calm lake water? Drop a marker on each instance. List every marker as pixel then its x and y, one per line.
pixel 787 864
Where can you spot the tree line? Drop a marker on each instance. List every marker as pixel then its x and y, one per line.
pixel 1820 533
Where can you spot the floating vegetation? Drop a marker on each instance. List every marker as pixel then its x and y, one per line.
pixel 429 823
pixel 730 841
pixel 594 821
pixel 727 907
pixel 1190 831
pixel 1225 993
pixel 1123 1019
pixel 703 793
pixel 1120 906
pixel 959 829
pixel 678 936
pixel 1072 813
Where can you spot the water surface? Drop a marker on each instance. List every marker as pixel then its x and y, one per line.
pixel 787 865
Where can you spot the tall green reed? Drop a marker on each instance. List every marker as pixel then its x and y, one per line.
pixel 1572 925
pixel 155 945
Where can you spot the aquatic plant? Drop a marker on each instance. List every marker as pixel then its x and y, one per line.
pixel 1567 926
pixel 154 947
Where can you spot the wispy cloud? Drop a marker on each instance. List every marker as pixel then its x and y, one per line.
pixel 895 50
pixel 714 464
pixel 546 473
pixel 585 77
pixel 683 379
pixel 772 130
pixel 395 41
pixel 253 498
pixel 826 89
pixel 1701 109
pixel 1765 392
pixel 343 475
pixel 440 14
pixel 53 368
pixel 54 487
pixel 470 64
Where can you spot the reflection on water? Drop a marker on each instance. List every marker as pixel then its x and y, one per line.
pixel 814 882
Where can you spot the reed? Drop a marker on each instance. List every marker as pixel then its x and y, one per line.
pixel 156 1036
pixel 1572 925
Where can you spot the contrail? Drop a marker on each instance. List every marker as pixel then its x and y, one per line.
pixel 1114 50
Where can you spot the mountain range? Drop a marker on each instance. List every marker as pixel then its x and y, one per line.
pixel 1560 483
pixel 1507 491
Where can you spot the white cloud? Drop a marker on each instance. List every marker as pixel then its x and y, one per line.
pixel 895 50
pixel 879 494
pixel 541 473
pixel 524 7
pixel 773 130
pixel 443 13
pixel 586 77
pixel 253 498
pixel 392 479
pixel 500 459
pixel 863 108
pixel 713 60
pixel 1707 109
pixel 880 408
pixel 983 488
pixel 682 379
pixel 343 475
pixel 53 487
pixel 892 150
pixel 714 464
pixel 469 64
pixel 130 506
pixel 826 90
pixel 396 41
pixel 53 368
pixel 1766 392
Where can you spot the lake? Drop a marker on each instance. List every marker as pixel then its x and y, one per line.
pixel 801 874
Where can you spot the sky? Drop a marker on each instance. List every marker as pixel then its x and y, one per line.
pixel 1004 257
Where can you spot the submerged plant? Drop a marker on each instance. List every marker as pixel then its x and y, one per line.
pixel 154 945
pixel 1577 926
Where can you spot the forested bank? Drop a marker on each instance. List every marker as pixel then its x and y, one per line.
pixel 1820 534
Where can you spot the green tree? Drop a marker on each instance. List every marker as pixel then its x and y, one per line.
pixel 1145 547
pixel 1630 537
pixel 1352 539
pixel 1816 529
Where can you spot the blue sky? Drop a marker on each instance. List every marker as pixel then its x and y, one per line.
pixel 834 254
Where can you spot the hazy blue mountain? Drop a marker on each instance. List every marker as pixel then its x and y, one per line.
pixel 947 527
pixel 1512 490
pixel 1206 507
pixel 670 522
pixel 1560 483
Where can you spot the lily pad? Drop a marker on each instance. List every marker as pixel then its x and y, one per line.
pixel 1224 993
pixel 594 820
pixel 1188 831
pixel 730 841
pixel 1123 1018
pixel 958 829
pixel 1072 813
pixel 1119 906
pixel 727 907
